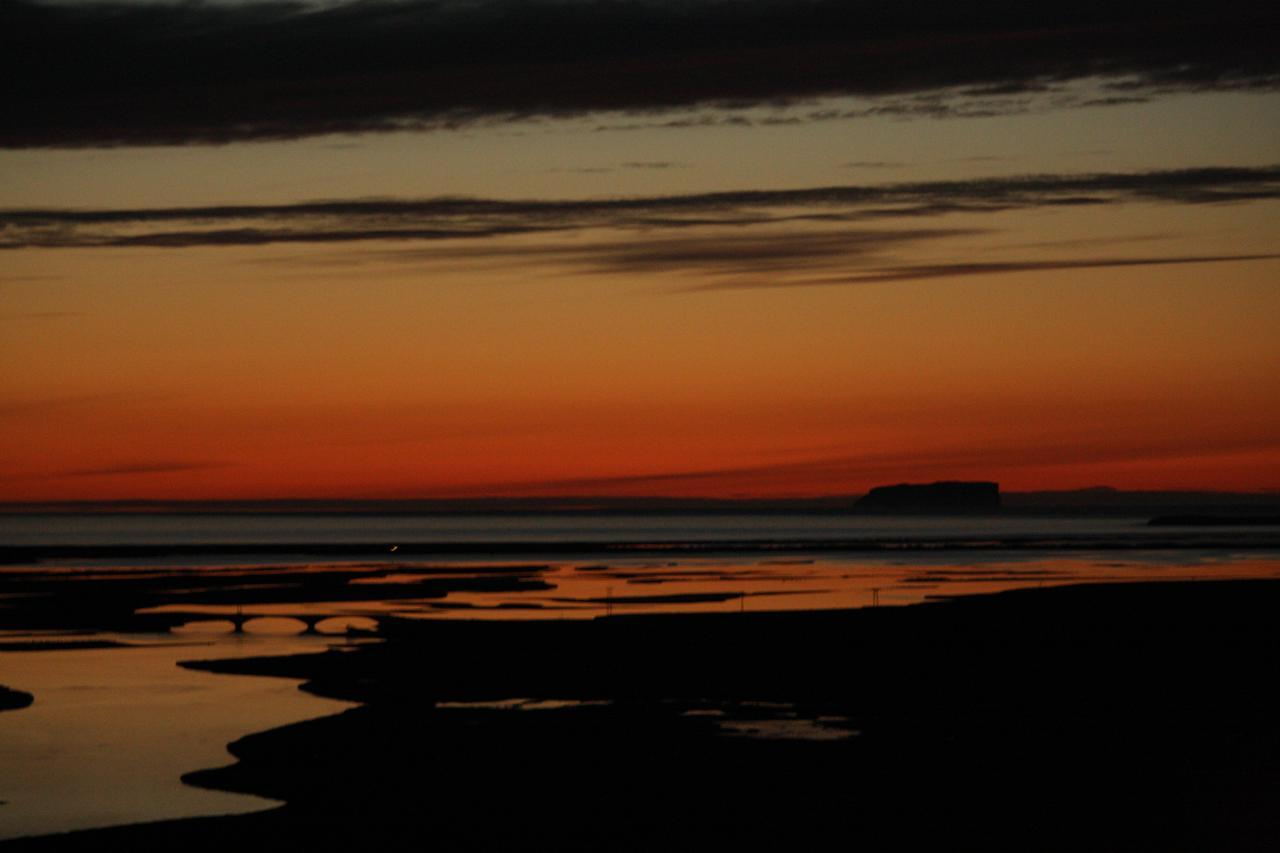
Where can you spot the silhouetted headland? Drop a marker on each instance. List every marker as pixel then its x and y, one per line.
pixel 946 496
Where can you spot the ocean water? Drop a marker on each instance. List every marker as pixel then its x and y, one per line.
pixel 506 529
pixel 581 565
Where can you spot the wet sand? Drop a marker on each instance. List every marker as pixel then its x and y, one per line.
pixel 1107 717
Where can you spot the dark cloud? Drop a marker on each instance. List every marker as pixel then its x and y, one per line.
pixel 340 222
pixel 114 73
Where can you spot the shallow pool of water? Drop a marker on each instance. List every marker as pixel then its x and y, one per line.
pixel 112 730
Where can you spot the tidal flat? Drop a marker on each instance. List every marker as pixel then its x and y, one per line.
pixel 1135 716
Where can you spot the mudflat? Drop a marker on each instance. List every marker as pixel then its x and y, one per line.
pixel 1091 717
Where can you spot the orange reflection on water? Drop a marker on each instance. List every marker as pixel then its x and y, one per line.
pixel 112 730
pixel 587 590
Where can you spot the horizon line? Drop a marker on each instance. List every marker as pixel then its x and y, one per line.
pixel 584 503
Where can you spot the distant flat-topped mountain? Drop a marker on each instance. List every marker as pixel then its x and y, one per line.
pixel 13 699
pixel 948 495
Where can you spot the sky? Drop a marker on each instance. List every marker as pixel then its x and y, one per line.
pixel 702 248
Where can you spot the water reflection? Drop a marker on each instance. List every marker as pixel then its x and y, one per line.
pixel 587 590
pixel 463 588
pixel 112 731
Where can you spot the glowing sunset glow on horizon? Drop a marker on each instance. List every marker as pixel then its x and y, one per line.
pixel 810 292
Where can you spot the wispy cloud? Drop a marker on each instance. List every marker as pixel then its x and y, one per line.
pixel 135 468
pixel 440 219
pixel 632 165
pixel 887 274
pixel 41 406
pixel 77 404
pixel 43 315
pixel 941 104
pixel 715 254
pixel 874 164
pixel 27 279
pixel 148 73
pixel 124 469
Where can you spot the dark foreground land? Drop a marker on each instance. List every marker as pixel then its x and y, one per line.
pixel 1118 717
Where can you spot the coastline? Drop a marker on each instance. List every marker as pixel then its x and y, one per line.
pixel 1115 717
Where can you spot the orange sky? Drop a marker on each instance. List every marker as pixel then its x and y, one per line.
pixel 1133 341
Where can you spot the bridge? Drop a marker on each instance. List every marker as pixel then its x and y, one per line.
pixel 311 621
pixel 239 619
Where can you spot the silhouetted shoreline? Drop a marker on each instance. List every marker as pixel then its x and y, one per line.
pixel 1093 717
